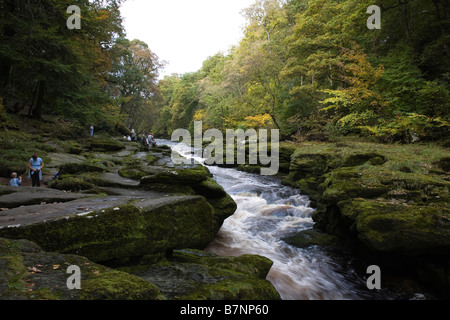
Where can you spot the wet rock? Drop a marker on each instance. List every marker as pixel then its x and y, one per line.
pixel 111 229
pixel 29 273
pixel 308 238
pixel 26 196
pixel 197 275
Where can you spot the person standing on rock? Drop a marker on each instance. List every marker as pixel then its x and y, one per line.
pixel 36 164
pixel 151 140
pixel 91 129
pixel 144 140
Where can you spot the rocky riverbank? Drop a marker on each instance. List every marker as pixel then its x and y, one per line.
pixel 388 203
pixel 119 205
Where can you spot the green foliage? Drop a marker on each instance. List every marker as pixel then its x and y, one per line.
pixel 317 70
pixel 46 69
pixel 409 128
pixel 3 118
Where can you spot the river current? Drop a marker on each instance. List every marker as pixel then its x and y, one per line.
pixel 267 212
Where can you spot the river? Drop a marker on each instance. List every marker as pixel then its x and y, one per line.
pixel 267 212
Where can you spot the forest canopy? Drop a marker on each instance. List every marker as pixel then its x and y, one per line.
pixel 311 68
pixel 90 75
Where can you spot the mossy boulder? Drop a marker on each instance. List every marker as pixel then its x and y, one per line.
pixel 29 273
pixel 183 176
pixel 209 188
pixel 75 148
pixel 133 172
pixel 312 237
pixel 69 183
pixel 103 144
pixel 119 233
pixel 345 183
pixel 399 228
pixel 198 275
pixel 77 168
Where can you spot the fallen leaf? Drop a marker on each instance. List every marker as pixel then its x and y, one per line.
pixel 34 270
pixel 96 272
pixel 55 266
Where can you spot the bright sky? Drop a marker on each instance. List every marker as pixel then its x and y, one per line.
pixel 185 32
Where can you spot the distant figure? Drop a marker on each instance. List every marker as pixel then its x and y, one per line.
pixel 144 140
pixel 151 140
pixel 15 182
pixel 133 135
pixel 36 164
pixel 91 130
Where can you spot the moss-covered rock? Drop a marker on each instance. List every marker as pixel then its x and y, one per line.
pixel 209 188
pixel 184 176
pixel 134 172
pixel 77 168
pixel 29 273
pixel 103 144
pixel 308 238
pixel 197 275
pixel 119 233
pixel 70 184
pixel 345 183
pixel 399 228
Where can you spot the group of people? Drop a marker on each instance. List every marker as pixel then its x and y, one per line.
pixel 148 140
pixel 36 164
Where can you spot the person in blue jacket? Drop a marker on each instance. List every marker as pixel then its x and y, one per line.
pixel 15 182
pixel 36 165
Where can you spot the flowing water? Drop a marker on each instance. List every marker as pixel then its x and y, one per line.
pixel 267 212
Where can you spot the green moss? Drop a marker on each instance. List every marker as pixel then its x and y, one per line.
pixel 134 173
pixel 209 188
pixel 224 208
pixel 151 159
pixel 71 184
pixel 13 272
pixel 245 289
pixel 77 168
pixel 399 228
pixel 187 176
pixel 103 144
pixel 115 285
pixel 197 275
pixel 308 238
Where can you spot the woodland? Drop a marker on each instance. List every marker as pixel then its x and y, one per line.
pixel 310 68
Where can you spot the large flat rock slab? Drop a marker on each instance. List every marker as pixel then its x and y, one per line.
pixel 14 197
pixel 114 228
pixel 29 273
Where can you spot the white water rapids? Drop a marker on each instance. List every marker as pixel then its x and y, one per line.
pixel 267 212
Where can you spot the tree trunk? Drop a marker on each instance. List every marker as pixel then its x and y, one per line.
pixel 37 111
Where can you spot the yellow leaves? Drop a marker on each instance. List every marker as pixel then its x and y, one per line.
pixel 103 15
pixel 200 115
pixel 259 121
